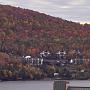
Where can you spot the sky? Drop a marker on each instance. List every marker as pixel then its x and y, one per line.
pixel 72 10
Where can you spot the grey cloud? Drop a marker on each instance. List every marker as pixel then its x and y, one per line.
pixel 75 10
pixel 59 2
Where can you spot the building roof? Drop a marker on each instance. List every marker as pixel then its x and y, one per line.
pixel 79 83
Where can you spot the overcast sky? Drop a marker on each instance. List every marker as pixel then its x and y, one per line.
pixel 74 10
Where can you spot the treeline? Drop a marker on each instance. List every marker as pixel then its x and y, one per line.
pixel 17 70
pixel 13 68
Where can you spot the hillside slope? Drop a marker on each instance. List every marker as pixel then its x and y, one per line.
pixel 27 32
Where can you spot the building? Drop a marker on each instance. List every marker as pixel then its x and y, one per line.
pixel 32 61
pixel 71 85
pixel 61 55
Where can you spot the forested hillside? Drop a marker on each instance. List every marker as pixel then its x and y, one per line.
pixel 27 32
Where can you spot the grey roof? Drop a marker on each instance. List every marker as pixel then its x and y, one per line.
pixel 79 83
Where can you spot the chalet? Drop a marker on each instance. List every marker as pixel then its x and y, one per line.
pixel 53 58
pixel 76 61
pixel 61 54
pixel 79 61
pixel 44 54
pixel 27 57
pixel 32 61
pixel 79 54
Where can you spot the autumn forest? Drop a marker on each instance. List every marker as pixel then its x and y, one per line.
pixel 27 32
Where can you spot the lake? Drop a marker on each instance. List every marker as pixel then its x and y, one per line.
pixel 38 85
pixel 26 85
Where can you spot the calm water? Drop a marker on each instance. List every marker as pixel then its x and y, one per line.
pixel 38 85
pixel 26 85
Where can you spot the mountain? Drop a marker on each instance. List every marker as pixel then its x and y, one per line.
pixel 27 32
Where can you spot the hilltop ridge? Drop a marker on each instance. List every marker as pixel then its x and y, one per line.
pixel 27 32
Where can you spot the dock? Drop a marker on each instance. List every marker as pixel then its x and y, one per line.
pixel 71 85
